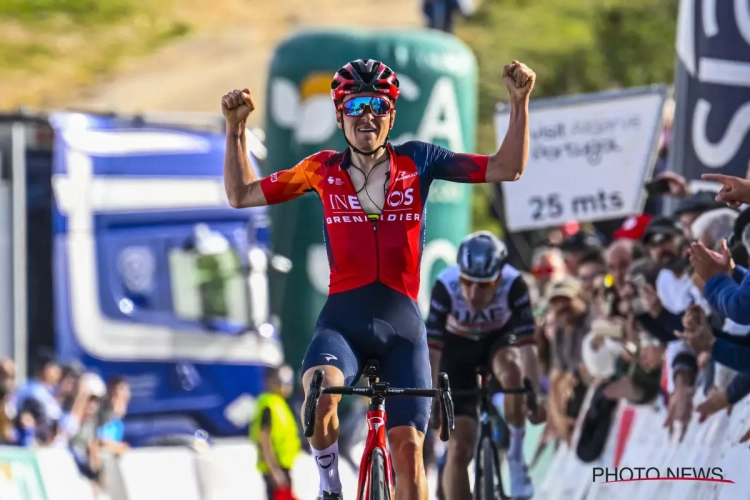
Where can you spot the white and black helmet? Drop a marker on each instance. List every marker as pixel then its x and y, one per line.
pixel 482 256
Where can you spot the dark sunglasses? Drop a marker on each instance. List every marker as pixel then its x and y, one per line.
pixel 479 284
pixel 356 106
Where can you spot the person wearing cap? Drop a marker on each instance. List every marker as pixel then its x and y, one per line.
pixel 692 207
pixel 547 265
pixel 37 398
pixel 632 228
pixel 274 430
pixel 575 246
pixel 84 444
pixel 572 321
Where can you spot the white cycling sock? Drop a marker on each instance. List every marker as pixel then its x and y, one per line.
pixel 515 452
pixel 328 468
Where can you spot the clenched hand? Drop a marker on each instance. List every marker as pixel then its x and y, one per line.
pixel 236 106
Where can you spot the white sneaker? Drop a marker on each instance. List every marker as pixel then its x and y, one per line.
pixel 520 482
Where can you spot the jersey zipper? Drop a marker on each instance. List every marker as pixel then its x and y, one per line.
pixel 377 249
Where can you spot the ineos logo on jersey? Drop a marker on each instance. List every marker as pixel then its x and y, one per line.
pixel 397 198
pixel 344 202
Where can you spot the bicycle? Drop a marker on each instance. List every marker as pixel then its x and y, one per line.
pixel 486 453
pixel 375 477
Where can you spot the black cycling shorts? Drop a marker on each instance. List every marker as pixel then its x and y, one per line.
pixel 460 359
pixel 376 322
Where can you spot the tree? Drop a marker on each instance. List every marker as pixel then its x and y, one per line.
pixel 575 46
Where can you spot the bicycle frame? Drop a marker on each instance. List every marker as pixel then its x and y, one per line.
pixel 376 439
pixel 486 431
pixel 376 418
pixel 486 410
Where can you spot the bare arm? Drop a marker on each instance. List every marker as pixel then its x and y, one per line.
pixel 509 162
pixel 240 182
pixel 268 454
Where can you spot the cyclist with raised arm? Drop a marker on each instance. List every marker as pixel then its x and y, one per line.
pixel 373 196
pixel 481 316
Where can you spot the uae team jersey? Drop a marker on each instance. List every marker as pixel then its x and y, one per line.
pixel 509 312
pixel 362 251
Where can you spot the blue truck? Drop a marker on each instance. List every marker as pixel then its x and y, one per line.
pixel 118 249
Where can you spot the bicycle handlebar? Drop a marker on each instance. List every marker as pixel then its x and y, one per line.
pixel 380 390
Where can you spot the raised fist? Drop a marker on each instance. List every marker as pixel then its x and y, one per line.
pixel 519 79
pixel 237 106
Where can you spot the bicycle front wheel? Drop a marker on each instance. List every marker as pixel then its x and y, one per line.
pixel 379 489
pixel 487 485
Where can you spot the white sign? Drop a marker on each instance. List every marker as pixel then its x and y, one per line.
pixel 588 160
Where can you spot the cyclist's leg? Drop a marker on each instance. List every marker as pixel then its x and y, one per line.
pixel 330 351
pixel 506 366
pixel 405 363
pixel 459 360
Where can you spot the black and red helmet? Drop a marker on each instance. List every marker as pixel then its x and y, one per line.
pixel 364 75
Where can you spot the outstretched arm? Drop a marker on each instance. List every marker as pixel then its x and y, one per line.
pixel 243 187
pixel 509 162
pixel 240 181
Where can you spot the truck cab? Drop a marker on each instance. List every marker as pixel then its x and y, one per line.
pixel 121 252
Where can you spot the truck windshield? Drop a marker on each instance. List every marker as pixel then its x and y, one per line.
pixel 209 286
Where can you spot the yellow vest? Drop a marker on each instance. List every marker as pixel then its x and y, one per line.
pixel 285 440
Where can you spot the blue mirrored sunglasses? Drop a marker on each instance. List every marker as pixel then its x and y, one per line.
pixel 356 106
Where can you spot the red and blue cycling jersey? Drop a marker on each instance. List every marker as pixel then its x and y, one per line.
pixel 389 249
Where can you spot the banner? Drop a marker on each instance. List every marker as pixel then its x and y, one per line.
pixel 712 89
pixel 589 157
pixel 20 478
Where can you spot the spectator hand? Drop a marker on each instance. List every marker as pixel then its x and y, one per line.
pixel 651 300
pixel 708 263
pixel 679 410
pixel 715 402
pixel 279 478
pixel 734 190
pixel 519 80
pixel 697 281
pixel 698 334
pixel 678 186
pixel 618 389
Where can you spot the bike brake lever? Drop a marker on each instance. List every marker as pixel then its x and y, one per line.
pixel 447 413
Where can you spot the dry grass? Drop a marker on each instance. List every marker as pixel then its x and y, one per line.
pixel 158 54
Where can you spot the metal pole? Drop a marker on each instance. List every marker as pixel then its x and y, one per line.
pixel 18 166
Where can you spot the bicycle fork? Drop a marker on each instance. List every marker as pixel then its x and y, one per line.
pixel 376 439
pixel 486 431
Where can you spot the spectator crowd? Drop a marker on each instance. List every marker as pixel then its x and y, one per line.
pixel 655 312
pixel 64 406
